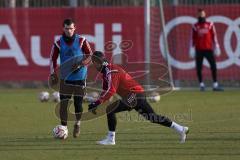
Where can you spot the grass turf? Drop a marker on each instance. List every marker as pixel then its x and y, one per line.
pixel 213 118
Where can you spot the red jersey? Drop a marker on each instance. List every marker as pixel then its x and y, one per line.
pixel 204 36
pixel 84 46
pixel 116 80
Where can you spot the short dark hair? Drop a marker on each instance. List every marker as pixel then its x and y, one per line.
pixel 98 56
pixel 68 22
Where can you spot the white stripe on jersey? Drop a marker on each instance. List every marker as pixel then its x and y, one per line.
pixel 83 39
pixel 51 62
pixel 109 81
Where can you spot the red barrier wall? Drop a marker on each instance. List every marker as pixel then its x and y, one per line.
pixel 26 37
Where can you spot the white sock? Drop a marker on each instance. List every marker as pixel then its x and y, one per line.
pixel 78 123
pixel 178 128
pixel 65 127
pixel 202 84
pixel 215 84
pixel 111 135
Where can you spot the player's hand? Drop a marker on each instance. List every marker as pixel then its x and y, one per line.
pixel 76 67
pixel 92 107
pixel 217 51
pixel 192 52
pixel 54 78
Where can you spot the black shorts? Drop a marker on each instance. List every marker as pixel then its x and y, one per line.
pixel 69 88
pixel 128 102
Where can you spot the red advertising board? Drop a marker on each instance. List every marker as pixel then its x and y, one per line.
pixel 27 35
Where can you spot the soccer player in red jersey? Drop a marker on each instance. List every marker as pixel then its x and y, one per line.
pixel 205 45
pixel 118 81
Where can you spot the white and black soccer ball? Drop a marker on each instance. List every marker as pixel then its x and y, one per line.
pixel 60 132
pixel 55 97
pixel 154 97
pixel 43 96
pixel 91 97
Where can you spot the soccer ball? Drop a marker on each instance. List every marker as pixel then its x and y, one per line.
pixel 55 97
pixel 154 97
pixel 43 96
pixel 60 132
pixel 91 97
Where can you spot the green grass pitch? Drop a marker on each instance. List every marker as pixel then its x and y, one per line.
pixel 213 118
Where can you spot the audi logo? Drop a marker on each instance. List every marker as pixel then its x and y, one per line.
pixel 232 55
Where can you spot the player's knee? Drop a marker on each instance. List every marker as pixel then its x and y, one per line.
pixel 111 116
pixel 65 97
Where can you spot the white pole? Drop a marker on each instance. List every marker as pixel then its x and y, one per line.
pixel 73 3
pixel 26 3
pixel 12 3
pixel 85 3
pixel 147 38
pixel 166 49
pixel 175 2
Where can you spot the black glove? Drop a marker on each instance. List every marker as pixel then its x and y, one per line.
pixel 92 108
pixel 76 67
pixel 54 78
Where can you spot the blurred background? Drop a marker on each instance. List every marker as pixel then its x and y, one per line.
pixel 28 29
